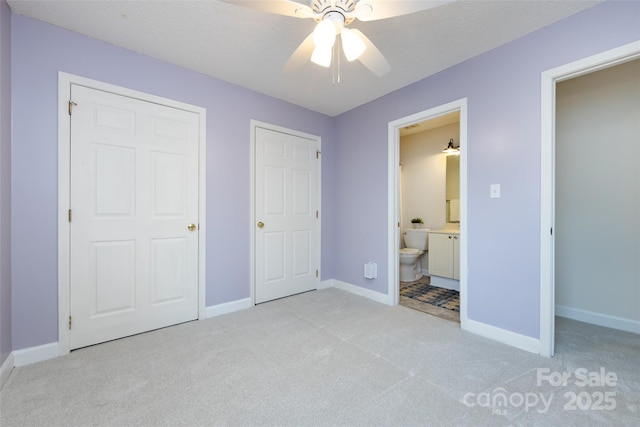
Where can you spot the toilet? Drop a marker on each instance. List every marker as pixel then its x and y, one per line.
pixel 416 243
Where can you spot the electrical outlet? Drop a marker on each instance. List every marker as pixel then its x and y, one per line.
pixel 371 270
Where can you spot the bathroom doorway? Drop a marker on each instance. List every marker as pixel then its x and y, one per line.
pixel 429 202
pixel 419 140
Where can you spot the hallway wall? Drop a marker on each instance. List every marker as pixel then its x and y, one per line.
pixel 597 227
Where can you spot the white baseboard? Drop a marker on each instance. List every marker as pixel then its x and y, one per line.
pixel 6 369
pixel 357 290
pixel 35 354
pixel 227 307
pixel 599 319
pixel 324 284
pixel 504 336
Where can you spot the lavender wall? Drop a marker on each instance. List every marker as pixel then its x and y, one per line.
pixel 503 91
pixel 39 52
pixel 5 181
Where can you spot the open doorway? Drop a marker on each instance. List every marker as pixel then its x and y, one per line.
pixel 597 248
pixel 429 203
pixel 456 109
pixel 550 79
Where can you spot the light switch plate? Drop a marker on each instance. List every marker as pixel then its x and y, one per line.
pixel 494 191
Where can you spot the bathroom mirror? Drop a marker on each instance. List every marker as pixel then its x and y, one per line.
pixel 453 185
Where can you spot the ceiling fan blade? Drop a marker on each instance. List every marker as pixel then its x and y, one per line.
pixel 371 10
pixel 301 55
pixel 281 7
pixel 372 58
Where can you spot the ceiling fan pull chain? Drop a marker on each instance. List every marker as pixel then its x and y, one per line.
pixel 338 55
pixel 335 64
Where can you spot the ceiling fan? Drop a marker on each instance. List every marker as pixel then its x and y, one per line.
pixel 333 17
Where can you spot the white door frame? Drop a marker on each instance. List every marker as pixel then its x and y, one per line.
pixel 550 77
pixel 65 81
pixel 393 233
pixel 252 224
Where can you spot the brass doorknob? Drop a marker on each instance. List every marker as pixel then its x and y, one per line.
pixel 192 227
pixel 260 224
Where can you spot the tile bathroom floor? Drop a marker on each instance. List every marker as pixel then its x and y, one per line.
pixel 416 304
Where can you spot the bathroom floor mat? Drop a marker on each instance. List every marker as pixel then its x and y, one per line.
pixel 425 293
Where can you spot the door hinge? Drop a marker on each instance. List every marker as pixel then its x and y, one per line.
pixel 69 322
pixel 318 154
pixel 71 104
pixel 317 214
pixel 317 273
pixel 551 231
pixel 70 215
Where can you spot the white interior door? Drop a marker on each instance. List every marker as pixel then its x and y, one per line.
pixel 134 192
pixel 287 236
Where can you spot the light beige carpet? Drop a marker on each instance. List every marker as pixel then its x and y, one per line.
pixel 322 358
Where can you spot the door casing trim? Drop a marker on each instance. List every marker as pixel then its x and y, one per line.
pixel 252 197
pixel 393 232
pixel 65 80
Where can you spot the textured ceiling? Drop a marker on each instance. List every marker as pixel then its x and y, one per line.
pixel 250 48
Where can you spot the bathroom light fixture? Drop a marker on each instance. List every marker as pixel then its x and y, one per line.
pixel 451 149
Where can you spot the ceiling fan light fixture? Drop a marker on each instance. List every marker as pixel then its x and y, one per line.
pixel 325 34
pixel 322 56
pixel 352 45
pixel 338 14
